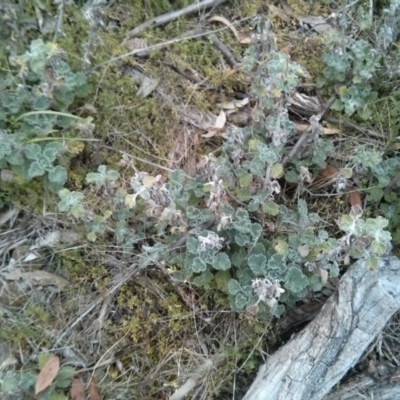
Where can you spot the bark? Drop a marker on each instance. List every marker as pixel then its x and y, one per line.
pixel 318 357
pixel 365 387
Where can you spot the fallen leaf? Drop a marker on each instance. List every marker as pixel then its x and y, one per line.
pixel 94 393
pixel 242 40
pixel 355 199
pixel 77 391
pixel 234 105
pixel 47 374
pixel 218 126
pixel 326 174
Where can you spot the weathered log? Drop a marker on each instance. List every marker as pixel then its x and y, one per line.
pixel 317 358
pixel 365 387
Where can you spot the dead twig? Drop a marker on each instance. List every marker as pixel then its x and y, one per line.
pixel 171 16
pixel 144 51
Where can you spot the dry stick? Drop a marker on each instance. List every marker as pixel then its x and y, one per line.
pixel 144 51
pixel 346 124
pixel 168 17
pixel 225 51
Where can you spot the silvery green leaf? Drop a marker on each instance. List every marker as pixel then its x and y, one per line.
pixel 198 265
pixel 32 151
pixel 222 262
pixel 257 263
pixel 35 170
pixel 234 287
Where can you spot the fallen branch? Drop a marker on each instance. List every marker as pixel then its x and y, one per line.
pixel 171 16
pixel 316 359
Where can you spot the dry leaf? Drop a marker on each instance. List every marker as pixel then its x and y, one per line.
pixel 234 105
pixel 47 374
pixel 326 174
pixel 94 393
pixel 242 40
pixel 326 131
pixel 77 391
pixel 218 125
pixel 355 199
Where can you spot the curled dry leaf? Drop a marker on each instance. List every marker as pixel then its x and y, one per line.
pixel 326 174
pixel 77 391
pixel 47 374
pixel 218 126
pixel 242 40
pixel 355 199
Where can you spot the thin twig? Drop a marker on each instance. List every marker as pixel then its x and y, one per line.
pixel 225 51
pixel 144 51
pixel 170 16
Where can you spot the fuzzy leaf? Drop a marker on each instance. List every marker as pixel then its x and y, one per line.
pixel 296 281
pixel 204 279
pixel 222 262
pixel 58 175
pixel 241 301
pixel 372 263
pixel 270 208
pixel 222 279
pixel 234 287
pixel 378 248
pixel 33 151
pixel 35 170
pixel 277 171
pixel 198 265
pixel 257 263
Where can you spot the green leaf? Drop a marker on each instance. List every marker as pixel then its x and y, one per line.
pixel 112 175
pixel 192 244
pixel 346 223
pixel 222 279
pixel 257 263
pixel 15 158
pixel 372 263
pixel 270 208
pixel 241 239
pixel 91 236
pixel 198 265
pixel 58 175
pixel 50 154
pixel 241 301
pixel 33 151
pixel 375 194
pixel 276 171
pixel 204 279
pixel 378 248
pixel 234 287
pixel 222 262
pixel 296 281
pixel 78 211
pixel 376 223
pixel 35 170
pixel 244 177
pixel 243 194
pixel 64 377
